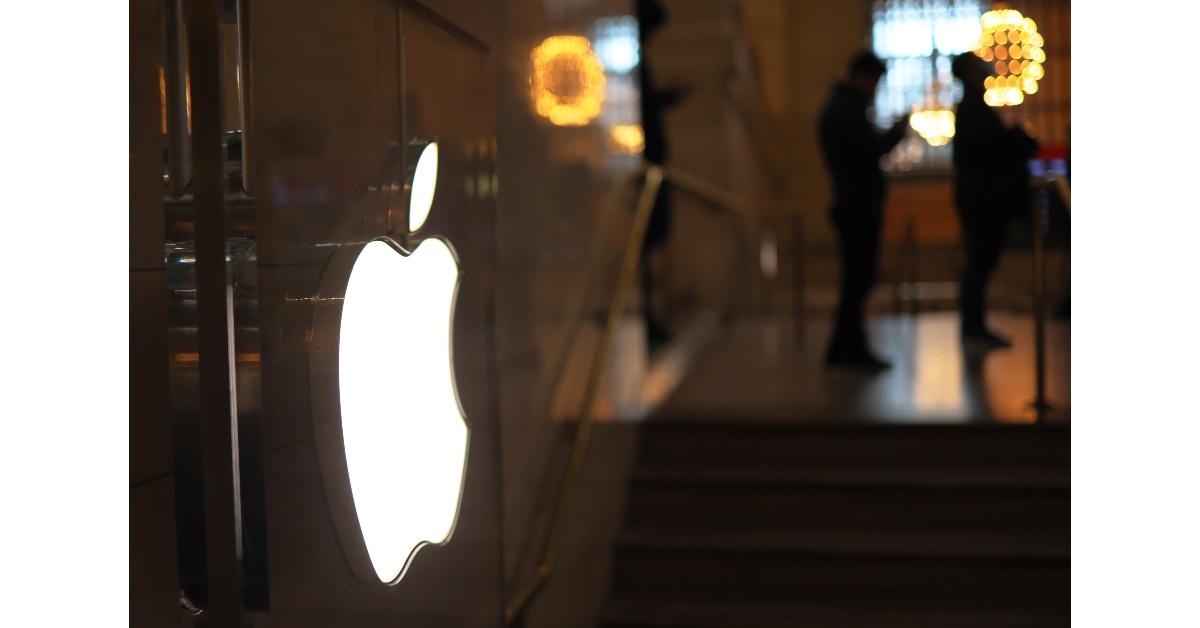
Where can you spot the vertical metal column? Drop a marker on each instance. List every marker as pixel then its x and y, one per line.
pixel 178 92
pixel 244 81
pixel 218 413
pixel 1041 406
pixel 914 264
pixel 801 299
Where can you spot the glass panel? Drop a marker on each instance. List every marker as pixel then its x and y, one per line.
pixel 233 93
pixel 176 122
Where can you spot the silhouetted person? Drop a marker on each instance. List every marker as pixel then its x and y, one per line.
pixel 852 147
pixel 991 186
pixel 654 102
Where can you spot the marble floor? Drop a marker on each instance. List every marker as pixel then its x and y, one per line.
pixel 757 370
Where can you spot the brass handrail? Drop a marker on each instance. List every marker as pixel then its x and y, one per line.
pixel 1058 183
pixel 583 434
pixel 710 193
pixel 579 299
pixel 1064 190
pixel 652 181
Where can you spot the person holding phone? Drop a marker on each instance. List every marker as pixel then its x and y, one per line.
pixel 991 167
pixel 852 147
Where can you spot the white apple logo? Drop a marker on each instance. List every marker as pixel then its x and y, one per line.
pixel 403 428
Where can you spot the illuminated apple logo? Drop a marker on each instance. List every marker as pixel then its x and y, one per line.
pixel 403 428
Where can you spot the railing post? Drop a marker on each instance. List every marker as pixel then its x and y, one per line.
pixel 741 271
pixel 1040 405
pixel 914 262
pixel 801 301
pixel 904 283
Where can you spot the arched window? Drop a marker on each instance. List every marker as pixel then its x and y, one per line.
pixel 917 39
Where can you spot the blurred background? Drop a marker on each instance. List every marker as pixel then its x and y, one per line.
pixel 655 438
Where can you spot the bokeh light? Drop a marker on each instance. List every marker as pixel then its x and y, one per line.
pixel 568 80
pixel 935 126
pixel 629 138
pixel 1010 40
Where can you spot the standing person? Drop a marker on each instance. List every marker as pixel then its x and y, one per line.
pixel 991 163
pixel 655 100
pixel 852 147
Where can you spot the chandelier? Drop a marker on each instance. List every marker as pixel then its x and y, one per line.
pixel 568 80
pixel 934 125
pixel 1010 42
pixel 934 120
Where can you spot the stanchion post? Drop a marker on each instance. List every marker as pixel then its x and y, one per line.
pixel 801 298
pixel 910 240
pixel 1041 406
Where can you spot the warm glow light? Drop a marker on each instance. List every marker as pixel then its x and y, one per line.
pixel 629 137
pixel 403 429
pixel 187 93
pixel 1012 40
pixel 162 100
pixel 424 184
pixel 568 80
pixel 936 126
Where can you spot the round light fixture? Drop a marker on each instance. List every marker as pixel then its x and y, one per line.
pixel 568 80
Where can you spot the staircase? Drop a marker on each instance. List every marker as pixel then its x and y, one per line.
pixel 888 526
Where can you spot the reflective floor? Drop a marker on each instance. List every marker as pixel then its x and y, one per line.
pixel 636 380
pixel 757 370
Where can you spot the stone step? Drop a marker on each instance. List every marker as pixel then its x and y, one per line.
pixel 880 498
pixel 656 614
pixel 955 447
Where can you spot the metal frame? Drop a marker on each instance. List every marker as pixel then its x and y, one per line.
pixel 218 386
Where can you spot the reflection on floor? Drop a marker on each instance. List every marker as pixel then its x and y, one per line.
pixel 636 381
pixel 769 491
pixel 756 369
